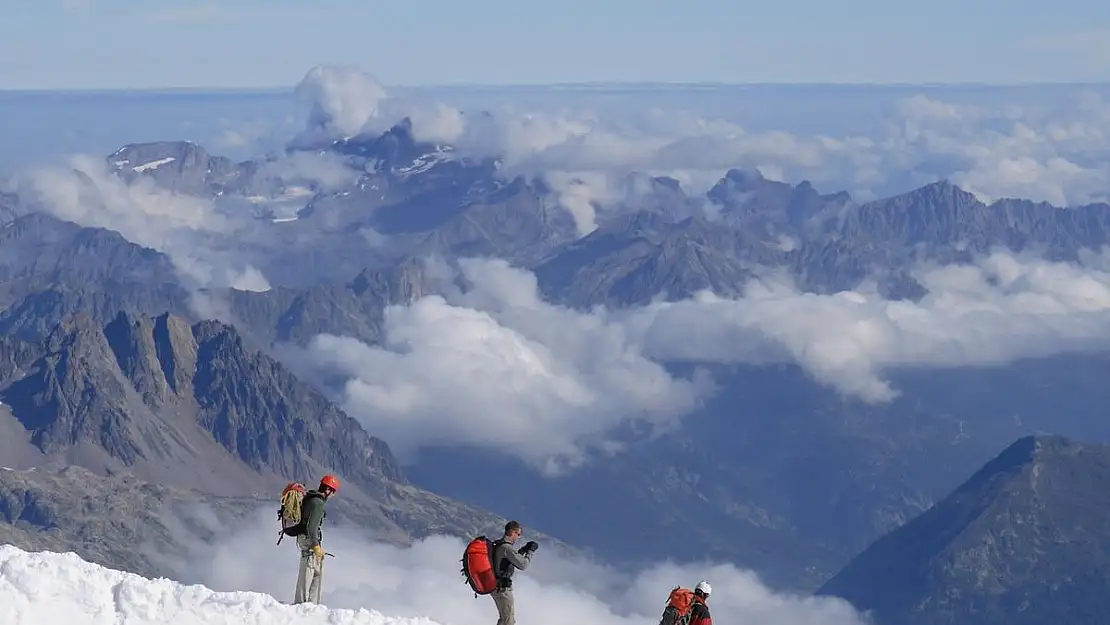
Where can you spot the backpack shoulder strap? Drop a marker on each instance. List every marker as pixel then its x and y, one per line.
pixel 499 567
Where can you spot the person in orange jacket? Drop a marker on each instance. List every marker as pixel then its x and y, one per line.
pixel 310 577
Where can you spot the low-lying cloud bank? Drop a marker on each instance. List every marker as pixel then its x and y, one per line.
pixel 495 365
pixel 585 154
pixel 424 580
pixel 1016 148
pixel 184 227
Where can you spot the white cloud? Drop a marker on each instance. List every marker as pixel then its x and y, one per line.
pixel 341 101
pixel 1011 149
pixel 580 193
pixel 1000 309
pixel 179 225
pixel 423 580
pixel 438 123
pixel 327 171
pixel 498 367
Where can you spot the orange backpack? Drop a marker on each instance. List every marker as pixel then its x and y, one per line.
pixel 678 609
pixel 477 565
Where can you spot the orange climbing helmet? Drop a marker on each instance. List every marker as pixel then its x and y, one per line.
pixel 331 482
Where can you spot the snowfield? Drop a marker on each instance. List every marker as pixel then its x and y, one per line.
pixel 419 583
pixel 44 588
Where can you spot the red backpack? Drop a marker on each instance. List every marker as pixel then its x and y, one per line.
pixel 679 607
pixel 477 566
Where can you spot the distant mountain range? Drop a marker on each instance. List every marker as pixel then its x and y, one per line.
pixel 414 199
pixel 108 362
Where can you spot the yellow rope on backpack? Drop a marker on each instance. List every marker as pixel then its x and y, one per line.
pixel 289 513
pixel 291 506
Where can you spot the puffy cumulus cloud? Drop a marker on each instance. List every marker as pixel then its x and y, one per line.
pixel 437 123
pixel 184 227
pixel 1001 308
pixel 423 580
pixel 341 101
pixel 494 365
pixel 1008 152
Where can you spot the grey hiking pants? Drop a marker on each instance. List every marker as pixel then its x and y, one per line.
pixel 506 610
pixel 310 576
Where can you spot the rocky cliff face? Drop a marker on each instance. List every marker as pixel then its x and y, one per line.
pixel 117 520
pixel 191 409
pixel 161 393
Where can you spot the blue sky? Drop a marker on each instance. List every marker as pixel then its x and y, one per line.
pixel 93 44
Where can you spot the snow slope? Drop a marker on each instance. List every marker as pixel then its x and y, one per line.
pixel 46 588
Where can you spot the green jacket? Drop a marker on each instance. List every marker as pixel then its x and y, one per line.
pixel 313 513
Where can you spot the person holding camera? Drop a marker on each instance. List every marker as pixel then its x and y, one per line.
pixel 505 563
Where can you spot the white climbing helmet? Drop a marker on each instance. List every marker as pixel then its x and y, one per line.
pixel 704 587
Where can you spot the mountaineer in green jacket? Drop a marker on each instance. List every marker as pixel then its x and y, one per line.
pixel 311 574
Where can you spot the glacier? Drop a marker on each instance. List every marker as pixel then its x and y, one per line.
pixel 45 588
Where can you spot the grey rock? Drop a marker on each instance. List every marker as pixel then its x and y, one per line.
pixel 644 256
pixel 9 207
pixel 115 520
pixel 188 406
pixel 45 249
pixel 181 166
pixel 825 242
pixel 1022 541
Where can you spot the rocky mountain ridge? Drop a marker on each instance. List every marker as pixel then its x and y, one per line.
pixel 1022 541
pixel 132 387
pixel 190 407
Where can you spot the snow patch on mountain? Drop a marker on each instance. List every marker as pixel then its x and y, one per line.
pixel 155 164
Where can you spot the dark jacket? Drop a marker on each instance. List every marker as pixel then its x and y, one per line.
pixel 312 514
pixel 506 560
pixel 699 612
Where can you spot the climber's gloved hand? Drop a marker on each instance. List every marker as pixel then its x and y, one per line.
pixel 319 551
pixel 531 546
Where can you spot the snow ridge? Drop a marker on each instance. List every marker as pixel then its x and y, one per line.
pixel 44 588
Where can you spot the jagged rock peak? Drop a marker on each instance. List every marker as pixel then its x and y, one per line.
pixel 398 284
pixel 939 192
